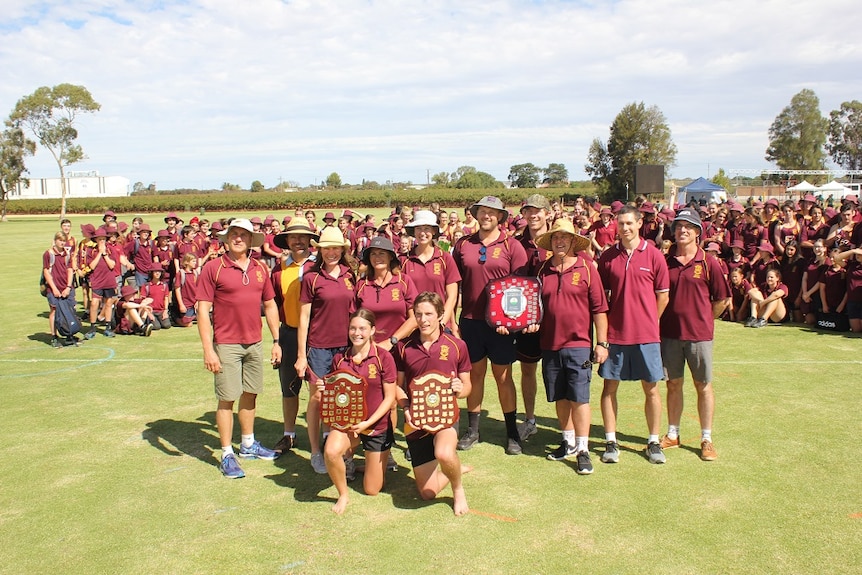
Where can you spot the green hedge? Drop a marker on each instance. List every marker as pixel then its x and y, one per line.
pixel 246 201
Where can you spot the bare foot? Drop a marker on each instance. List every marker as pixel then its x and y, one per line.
pixel 341 505
pixel 460 505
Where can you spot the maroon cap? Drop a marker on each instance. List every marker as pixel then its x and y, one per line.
pixel 329 216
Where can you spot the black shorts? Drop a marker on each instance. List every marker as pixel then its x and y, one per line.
pixel 483 341
pixel 287 340
pixel 104 293
pixel 421 450
pixel 380 442
pixel 528 348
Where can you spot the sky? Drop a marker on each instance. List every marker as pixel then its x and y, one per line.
pixel 196 93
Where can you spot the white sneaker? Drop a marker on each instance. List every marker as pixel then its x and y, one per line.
pixel 318 464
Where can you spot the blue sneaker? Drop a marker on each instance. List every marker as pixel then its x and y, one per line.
pixel 230 467
pixel 257 451
pixel 108 332
pixel 90 334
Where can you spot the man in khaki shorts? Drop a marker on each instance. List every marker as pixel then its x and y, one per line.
pixel 233 287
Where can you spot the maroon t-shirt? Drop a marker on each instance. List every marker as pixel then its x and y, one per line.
pixel 605 234
pixel 157 291
pixel 236 297
pixel 448 354
pixel 693 288
pixel 741 263
pixel 835 282
pixel 502 257
pixel 761 267
pixel 854 281
pixel 141 254
pixel 570 300
pixel 791 276
pixel 739 292
pixel 390 303
pixel 815 272
pixel 433 275
pixel 332 301
pixel 633 282
pixel 59 269
pixel 377 368
pixel 103 277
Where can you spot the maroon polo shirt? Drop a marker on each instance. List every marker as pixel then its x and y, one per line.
pixel 741 263
pixel 102 277
pixel 390 303
pixel 570 300
pixel 141 254
pixel 605 234
pixel 157 291
pixel 433 275
pixel 815 271
pixel 632 282
pixel 854 280
pixel 693 288
pixel 236 298
pixel 504 256
pixel 448 354
pixel 184 248
pixel 332 301
pixel 164 257
pixel 739 292
pixel 60 268
pixel 835 282
pixel 376 369
pixel 188 282
pixel 761 267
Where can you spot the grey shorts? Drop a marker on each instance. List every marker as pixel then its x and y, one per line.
pixel 241 370
pixel 676 353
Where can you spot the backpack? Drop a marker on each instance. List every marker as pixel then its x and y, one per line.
pixel 66 320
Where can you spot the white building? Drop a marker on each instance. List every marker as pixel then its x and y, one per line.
pixel 78 185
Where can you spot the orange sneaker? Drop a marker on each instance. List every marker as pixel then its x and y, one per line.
pixel 707 451
pixel 666 442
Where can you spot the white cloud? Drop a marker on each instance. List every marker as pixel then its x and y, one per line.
pixel 201 92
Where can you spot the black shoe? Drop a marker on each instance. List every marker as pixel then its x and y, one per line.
pixel 468 440
pixel 585 465
pixel 562 452
pixel 750 322
pixel 286 443
pixel 513 447
pixel 407 455
pixel 56 343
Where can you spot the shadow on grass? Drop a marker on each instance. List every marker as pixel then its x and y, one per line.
pixel 42 337
pixel 197 438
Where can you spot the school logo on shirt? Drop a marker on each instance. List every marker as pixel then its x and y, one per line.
pixel 496 253
pixel 396 294
pixel 348 283
pixel 444 352
pixel 438 268
pixel 698 271
pixel 576 278
pixel 259 276
pixel 372 371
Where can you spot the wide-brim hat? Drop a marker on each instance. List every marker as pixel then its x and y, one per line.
pixel 378 243
pixel 286 220
pixel 712 247
pixel 302 228
pixel 579 244
pixel 109 213
pixel 809 198
pixel 737 244
pixel 256 220
pixel 616 206
pixel 215 226
pixel 331 238
pixel 163 234
pixel 123 227
pixel 329 216
pixel 171 216
pixel 423 218
pixel 771 202
pixel 127 291
pixel 145 228
pixel 689 215
pixel 766 247
pixel 606 211
pixel 491 202
pixel 99 232
pixel 257 238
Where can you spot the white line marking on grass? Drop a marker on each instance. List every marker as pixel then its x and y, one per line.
pixel 71 360
pixel 88 362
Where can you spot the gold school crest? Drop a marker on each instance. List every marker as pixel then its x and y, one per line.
pixel 698 271
pixel 396 294
pixel 259 276
pixel 348 283
pixel 444 352
pixel 438 268
pixel 576 278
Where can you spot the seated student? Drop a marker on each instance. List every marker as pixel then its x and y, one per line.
pixel 159 291
pixel 376 366
pixel 185 285
pixel 133 313
pixel 768 301
pixel 739 288
pixel 833 284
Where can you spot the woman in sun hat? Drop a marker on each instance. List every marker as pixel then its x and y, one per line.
pixel 431 268
pixel 326 299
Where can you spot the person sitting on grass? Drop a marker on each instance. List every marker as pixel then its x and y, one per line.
pixel 133 313
pixel 159 291
pixel 371 362
pixel 739 288
pixel 767 301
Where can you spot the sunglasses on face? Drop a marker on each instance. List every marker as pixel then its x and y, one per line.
pixel 483 254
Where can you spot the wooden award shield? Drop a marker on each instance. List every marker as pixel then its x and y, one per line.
pixel 433 405
pixel 514 302
pixel 342 402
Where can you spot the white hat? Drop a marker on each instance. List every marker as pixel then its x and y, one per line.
pixel 423 218
pixel 257 238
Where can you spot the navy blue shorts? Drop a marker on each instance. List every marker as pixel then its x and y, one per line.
pixel 567 374
pixel 287 340
pixel 483 341
pixel 320 360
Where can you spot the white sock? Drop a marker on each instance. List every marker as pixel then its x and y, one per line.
pixel 581 444
pixel 290 434
pixel 672 431
pixel 706 435
pixel 652 439
pixel 226 451
pixel 247 440
pixel 569 437
pixel 611 437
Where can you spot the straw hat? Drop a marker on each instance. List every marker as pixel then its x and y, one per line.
pixel 331 238
pixel 580 243
pixel 280 239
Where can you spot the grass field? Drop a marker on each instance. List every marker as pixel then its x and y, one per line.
pixel 110 468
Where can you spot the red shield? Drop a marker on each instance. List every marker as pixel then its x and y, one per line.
pixel 433 404
pixel 342 403
pixel 514 302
